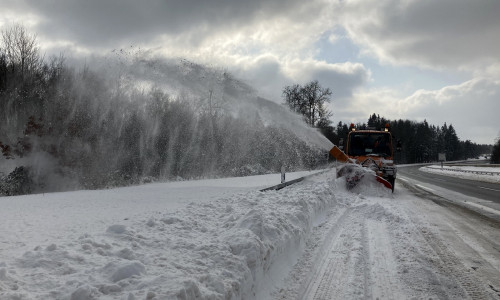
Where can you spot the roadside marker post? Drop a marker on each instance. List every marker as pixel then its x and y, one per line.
pixel 282 174
pixel 442 158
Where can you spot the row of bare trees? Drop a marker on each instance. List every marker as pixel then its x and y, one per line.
pixel 20 53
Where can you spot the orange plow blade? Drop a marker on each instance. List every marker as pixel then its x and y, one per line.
pixel 339 154
pixel 386 183
pixel 353 172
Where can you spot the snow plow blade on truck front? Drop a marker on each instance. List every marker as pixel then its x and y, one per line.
pixel 368 153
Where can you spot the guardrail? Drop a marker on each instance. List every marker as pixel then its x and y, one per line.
pixel 285 184
pixel 470 171
pixel 473 165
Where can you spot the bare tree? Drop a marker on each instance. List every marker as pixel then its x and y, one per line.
pixel 21 51
pixel 293 98
pixel 310 101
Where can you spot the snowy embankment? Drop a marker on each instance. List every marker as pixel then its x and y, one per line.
pixel 485 174
pixel 224 239
pixel 217 242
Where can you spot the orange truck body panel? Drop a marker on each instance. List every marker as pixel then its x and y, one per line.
pixel 374 150
pixel 339 154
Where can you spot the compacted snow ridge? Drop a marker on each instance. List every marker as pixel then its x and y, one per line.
pixel 224 239
pixel 225 248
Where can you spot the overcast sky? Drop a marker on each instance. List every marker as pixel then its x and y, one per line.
pixel 401 59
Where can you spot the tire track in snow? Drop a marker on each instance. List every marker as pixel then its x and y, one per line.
pixel 456 280
pixel 383 268
pixel 355 261
pixel 447 261
pixel 337 277
pixel 450 264
pixel 305 272
pixel 329 260
pixel 359 262
pixel 403 249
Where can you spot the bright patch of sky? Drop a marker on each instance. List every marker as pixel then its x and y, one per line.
pixel 335 46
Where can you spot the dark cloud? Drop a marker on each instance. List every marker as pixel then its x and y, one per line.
pixel 447 33
pixel 342 81
pixel 272 43
pixel 270 75
pixel 103 23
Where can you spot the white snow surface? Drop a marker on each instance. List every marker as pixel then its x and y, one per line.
pixel 466 172
pixel 224 239
pixel 190 239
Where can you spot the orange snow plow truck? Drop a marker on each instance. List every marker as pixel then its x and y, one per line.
pixel 367 153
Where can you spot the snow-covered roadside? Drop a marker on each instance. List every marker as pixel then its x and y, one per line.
pixel 397 246
pixel 456 171
pixel 30 220
pixel 230 246
pixel 312 239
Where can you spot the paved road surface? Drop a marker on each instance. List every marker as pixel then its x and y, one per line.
pixel 477 189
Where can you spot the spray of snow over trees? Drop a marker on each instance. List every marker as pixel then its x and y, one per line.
pixel 132 118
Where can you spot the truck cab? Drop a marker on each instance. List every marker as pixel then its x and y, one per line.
pixel 373 149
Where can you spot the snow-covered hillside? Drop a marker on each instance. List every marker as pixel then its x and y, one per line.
pixel 224 239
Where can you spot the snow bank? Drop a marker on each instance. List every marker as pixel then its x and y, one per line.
pixel 228 248
pixel 465 172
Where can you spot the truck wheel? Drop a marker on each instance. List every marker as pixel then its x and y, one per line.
pixel 392 181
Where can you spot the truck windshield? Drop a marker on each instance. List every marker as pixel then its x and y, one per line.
pixel 364 144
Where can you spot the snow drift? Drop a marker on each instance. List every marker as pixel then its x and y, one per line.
pixel 228 248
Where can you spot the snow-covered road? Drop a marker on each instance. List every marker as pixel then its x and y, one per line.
pixel 400 247
pixel 223 239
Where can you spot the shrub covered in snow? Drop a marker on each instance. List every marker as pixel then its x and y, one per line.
pixel 18 182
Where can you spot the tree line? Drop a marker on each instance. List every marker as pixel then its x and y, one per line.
pixel 63 127
pixel 495 153
pixel 420 141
